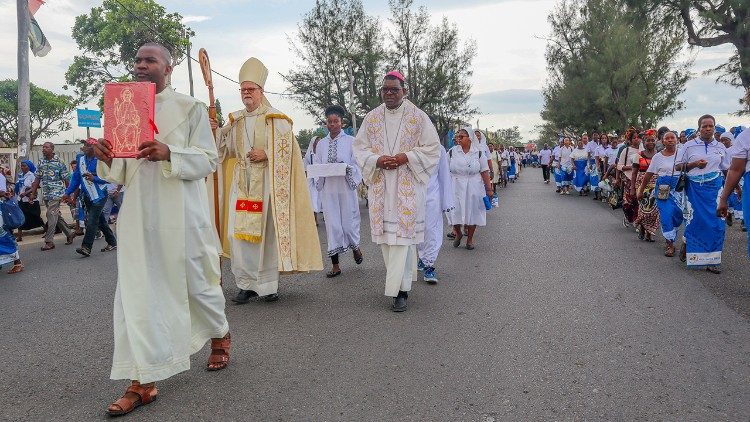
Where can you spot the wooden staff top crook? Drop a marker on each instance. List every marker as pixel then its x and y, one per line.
pixel 206 70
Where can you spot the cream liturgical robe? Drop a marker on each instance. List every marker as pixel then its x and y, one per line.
pixel 288 239
pixel 397 197
pixel 168 300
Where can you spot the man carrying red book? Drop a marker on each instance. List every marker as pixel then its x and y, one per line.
pixel 168 301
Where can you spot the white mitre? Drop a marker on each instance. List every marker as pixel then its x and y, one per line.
pixel 253 70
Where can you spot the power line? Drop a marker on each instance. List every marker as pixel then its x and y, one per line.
pixel 156 33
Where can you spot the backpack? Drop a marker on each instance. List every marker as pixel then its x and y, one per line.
pixel 13 217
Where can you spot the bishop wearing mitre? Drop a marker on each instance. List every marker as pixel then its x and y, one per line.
pixel 266 212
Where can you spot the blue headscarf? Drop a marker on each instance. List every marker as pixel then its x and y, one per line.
pixel 720 129
pixel 22 177
pixel 738 130
pixel 30 165
pixel 689 133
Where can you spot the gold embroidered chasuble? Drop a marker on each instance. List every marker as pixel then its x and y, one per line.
pixel 296 236
pixel 397 197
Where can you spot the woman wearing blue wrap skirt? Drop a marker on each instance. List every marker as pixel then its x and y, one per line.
pixel 739 169
pixel 704 158
pixel 667 200
pixel 566 166
pixel 580 158
pixel 8 245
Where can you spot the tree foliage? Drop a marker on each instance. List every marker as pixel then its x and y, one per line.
pixel 508 136
pixel 109 37
pixel 610 68
pixel 49 113
pixel 332 35
pixel 219 115
pixel 438 66
pixel 305 136
pixel 337 32
pixel 709 23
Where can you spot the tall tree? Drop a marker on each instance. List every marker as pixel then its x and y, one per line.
pixel 49 113
pixel 438 66
pixel 709 23
pixel 508 136
pixel 219 114
pixel 332 35
pixel 336 32
pixel 109 37
pixel 609 68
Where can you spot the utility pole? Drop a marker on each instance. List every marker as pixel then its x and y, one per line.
pixel 190 67
pixel 352 106
pixel 24 100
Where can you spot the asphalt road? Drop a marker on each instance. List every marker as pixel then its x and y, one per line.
pixel 559 314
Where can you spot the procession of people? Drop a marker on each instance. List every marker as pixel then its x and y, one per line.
pixel 664 182
pixel 169 300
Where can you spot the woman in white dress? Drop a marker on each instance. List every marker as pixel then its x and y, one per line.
pixel 338 194
pixel 469 172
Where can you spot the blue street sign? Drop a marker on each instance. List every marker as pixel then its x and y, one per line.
pixel 89 118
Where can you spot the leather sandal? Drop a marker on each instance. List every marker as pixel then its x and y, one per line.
pixel 683 253
pixel 48 246
pixel 358 256
pixel 69 239
pixel 17 268
pixel 332 274
pixel 125 404
pixel 669 250
pixel 219 357
pixel 457 241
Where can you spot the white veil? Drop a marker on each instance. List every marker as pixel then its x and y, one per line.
pixel 474 141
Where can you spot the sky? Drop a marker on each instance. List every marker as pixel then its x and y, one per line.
pixel 509 69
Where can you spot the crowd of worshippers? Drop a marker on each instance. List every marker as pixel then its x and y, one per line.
pixel 662 179
pixel 92 203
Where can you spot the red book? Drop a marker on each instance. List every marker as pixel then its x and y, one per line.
pixel 128 116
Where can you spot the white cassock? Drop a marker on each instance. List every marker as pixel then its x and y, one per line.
pixel 314 196
pixel 440 199
pixel 168 301
pixel 397 196
pixel 338 194
pixel 468 186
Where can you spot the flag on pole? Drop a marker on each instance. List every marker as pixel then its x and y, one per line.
pixel 39 44
pixel 34 5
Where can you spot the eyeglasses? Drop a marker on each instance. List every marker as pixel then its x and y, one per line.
pixel 249 90
pixel 386 90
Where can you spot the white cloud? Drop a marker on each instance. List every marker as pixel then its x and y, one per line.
pixel 189 19
pixel 510 56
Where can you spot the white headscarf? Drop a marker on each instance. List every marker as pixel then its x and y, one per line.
pixel 727 135
pixel 482 138
pixel 474 141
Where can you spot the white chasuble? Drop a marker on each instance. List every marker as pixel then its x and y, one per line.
pixel 397 197
pixel 168 301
